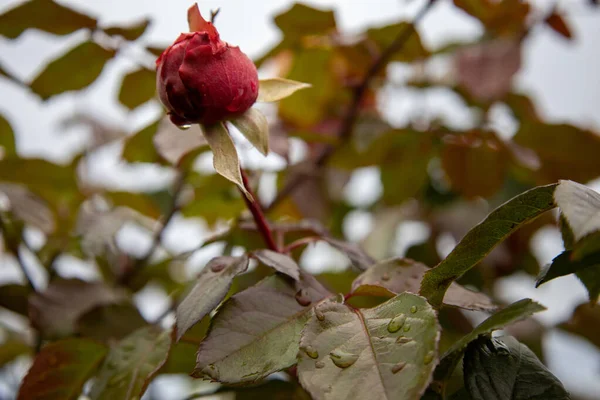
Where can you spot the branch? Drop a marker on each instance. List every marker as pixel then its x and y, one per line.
pixel 258 215
pixel 351 114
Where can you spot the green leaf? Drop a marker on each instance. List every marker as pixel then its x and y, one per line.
pixel 393 347
pixel 565 151
pixel 10 349
pixel 275 89
pixel 55 311
pixel 7 139
pixel 279 262
pixel 137 88
pixel 211 287
pixel 140 146
pixel 475 163
pixel 480 240
pixel 590 277
pixel 130 33
pixel 61 368
pixel 301 20
pixel 254 126
pixel 585 322
pixel 74 70
pixel 225 157
pixel 13 297
pixel 580 206
pixel 564 264
pixel 45 15
pixel 109 323
pixel 404 275
pixel 384 36
pixel 131 365
pixel 256 332
pixel 504 369
pixel 515 312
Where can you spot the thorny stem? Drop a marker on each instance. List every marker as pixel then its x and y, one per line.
pixel 258 214
pixel 351 114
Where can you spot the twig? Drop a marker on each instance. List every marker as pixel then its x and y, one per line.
pixel 157 239
pixel 351 114
pixel 213 15
pixel 258 215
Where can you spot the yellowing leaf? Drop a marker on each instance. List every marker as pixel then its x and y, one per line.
pixel 137 88
pixel 225 157
pixel 74 70
pixel 275 89
pixel 254 126
pixel 45 15
pixel 61 368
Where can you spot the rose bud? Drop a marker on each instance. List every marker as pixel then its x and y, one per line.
pixel 201 79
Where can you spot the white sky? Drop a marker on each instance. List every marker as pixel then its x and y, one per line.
pixel 561 76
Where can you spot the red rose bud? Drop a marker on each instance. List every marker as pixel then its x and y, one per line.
pixel 201 79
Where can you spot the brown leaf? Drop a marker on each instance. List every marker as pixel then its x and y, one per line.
pixel 279 262
pixel 405 275
pixel 486 70
pixel 28 207
pixel 558 24
pixel 55 311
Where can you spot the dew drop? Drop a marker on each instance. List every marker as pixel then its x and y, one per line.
pixel 403 340
pixel 217 265
pixel 343 359
pixel 319 314
pixel 385 277
pixel 303 298
pixel 319 364
pixel 396 323
pixel 398 367
pixel 406 328
pixel 413 309
pixel 428 357
pixel 184 127
pixel 311 352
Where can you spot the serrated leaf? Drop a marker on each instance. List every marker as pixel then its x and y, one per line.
pixel 504 369
pixel 7 139
pixel 404 275
pixel 256 332
pixel 211 287
pixel 254 126
pixel 137 87
pixel 358 257
pixel 301 20
pixel 515 312
pixel 480 240
pixel 74 70
pixel 275 89
pixel 61 368
pixel 393 347
pixel 384 36
pixel 225 157
pixel 45 15
pixel 130 365
pixel 580 206
pixel 54 311
pixel 279 262
pixel 131 33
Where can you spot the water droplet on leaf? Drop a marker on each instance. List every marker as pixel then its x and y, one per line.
pixel 217 265
pixel 343 359
pixel 319 364
pixel 184 127
pixel 403 340
pixel 428 357
pixel 413 309
pixel 396 323
pixel 303 298
pixel 406 328
pixel 311 352
pixel 398 367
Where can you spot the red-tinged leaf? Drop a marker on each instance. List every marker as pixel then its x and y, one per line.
pixel 131 365
pixel 45 15
pixel 137 88
pixel 55 311
pixel 405 275
pixel 211 287
pixel 60 370
pixel 74 70
pixel 132 32
pixel 558 24
pixel 279 262
pixel 256 332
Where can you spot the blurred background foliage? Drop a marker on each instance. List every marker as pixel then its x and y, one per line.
pixel 81 251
